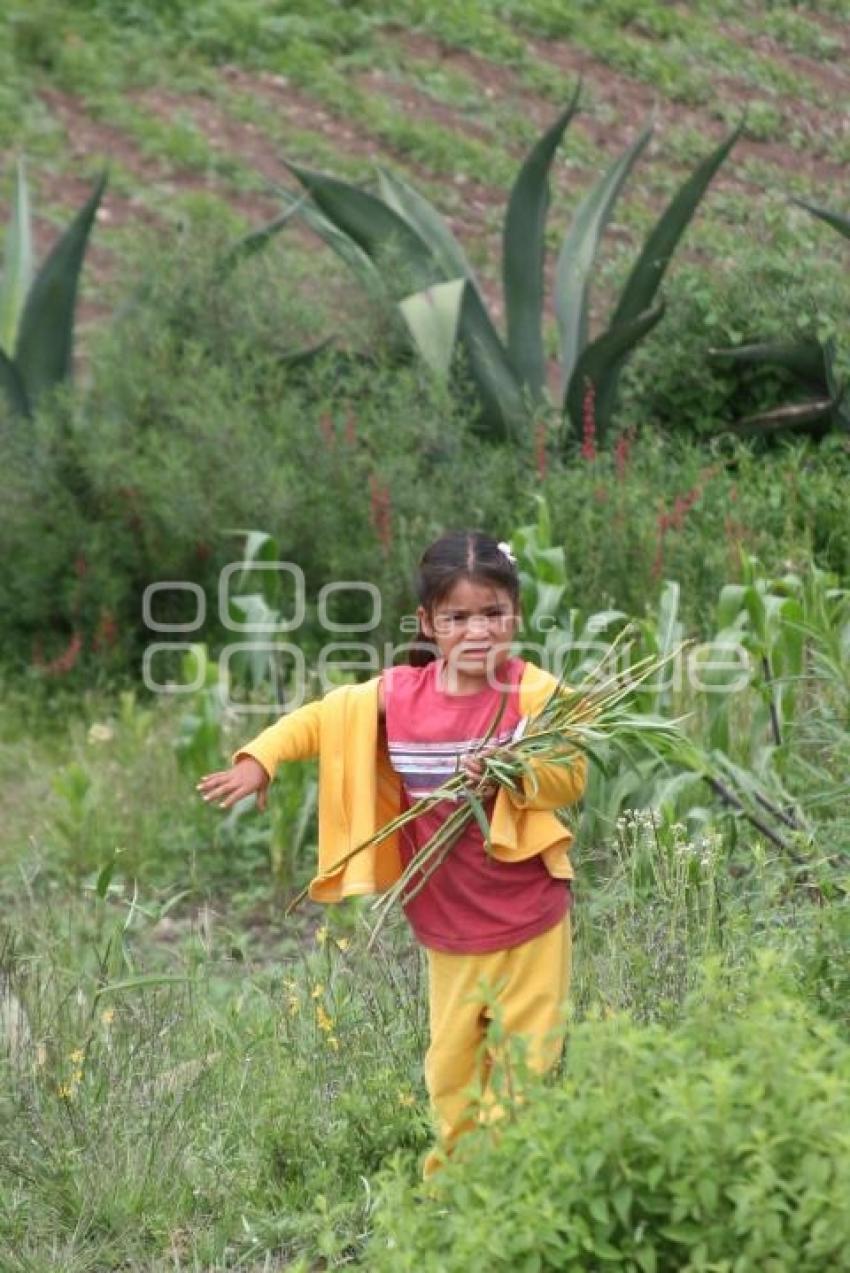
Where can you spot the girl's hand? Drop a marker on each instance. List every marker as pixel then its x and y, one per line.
pixel 243 779
pixel 473 768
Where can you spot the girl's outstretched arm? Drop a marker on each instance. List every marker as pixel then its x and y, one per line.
pixel 226 786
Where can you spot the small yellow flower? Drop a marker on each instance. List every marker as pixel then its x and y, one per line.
pixel 333 1042
pixel 317 991
pixel 66 1091
pixel 76 1056
pixel 343 944
pixel 406 1099
pixel 321 935
pixel 323 1021
pixel 294 1005
pixel 107 1016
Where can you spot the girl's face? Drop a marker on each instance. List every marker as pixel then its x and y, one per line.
pixel 473 626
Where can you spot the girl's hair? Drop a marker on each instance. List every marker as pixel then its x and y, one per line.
pixel 459 554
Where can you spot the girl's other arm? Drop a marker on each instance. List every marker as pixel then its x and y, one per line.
pixel 293 737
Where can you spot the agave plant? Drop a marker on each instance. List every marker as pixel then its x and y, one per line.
pixel 37 310
pixel 397 244
pixel 811 363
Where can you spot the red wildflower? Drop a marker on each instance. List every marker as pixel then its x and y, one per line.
pixel 380 511
pixel 588 422
pixel 326 427
pixel 106 633
pixel 622 451
pixel 64 662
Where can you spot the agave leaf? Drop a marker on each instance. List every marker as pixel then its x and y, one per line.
pixel 301 357
pixel 837 390
pixel 255 240
pixel 17 264
pixel 428 224
pixel 13 386
pixel 835 219
pixel 504 409
pixel 803 358
pixel 523 250
pixel 575 261
pixel 340 243
pixel 382 234
pixel 46 332
pixel 648 270
pixel 600 364
pixel 432 318
pixel 817 411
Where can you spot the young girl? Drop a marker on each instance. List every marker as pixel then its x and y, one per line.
pixel 497 920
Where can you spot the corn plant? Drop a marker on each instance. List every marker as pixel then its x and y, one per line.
pixel 37 310
pixel 811 363
pixel 399 247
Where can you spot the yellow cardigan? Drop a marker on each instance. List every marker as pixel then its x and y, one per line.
pixel 359 791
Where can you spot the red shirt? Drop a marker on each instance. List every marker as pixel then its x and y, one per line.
pixel 472 903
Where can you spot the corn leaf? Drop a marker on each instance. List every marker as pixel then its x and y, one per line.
pixel 17 264
pixel 13 387
pixel 599 365
pixel 648 270
pixel 575 261
pixel 835 219
pixel 422 217
pixel 432 318
pixel 523 250
pixel 45 336
pixel 386 238
pixel 504 410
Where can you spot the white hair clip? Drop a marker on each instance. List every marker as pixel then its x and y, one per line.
pixel 506 551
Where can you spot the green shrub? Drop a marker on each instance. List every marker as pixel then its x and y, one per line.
pixel 719 1144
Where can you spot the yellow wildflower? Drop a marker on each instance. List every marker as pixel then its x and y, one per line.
pixel 317 991
pixel 107 1016
pixel 66 1091
pixel 333 1042
pixel 343 944
pixel 406 1099
pixel 76 1056
pixel 294 1005
pixel 321 935
pixel 323 1021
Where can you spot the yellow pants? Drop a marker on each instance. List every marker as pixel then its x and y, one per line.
pixel 529 983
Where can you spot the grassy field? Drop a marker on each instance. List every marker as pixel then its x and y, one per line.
pixel 191 1081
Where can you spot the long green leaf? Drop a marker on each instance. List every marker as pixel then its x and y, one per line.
pixel 340 243
pixel 256 240
pixel 835 219
pixel 575 261
pixel 523 250
pixel 17 264
pixel 796 415
pixel 600 365
pixel 504 412
pixel 803 358
pixel 648 270
pixel 422 217
pixel 389 240
pixel 432 318
pixel 13 387
pixel 46 333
